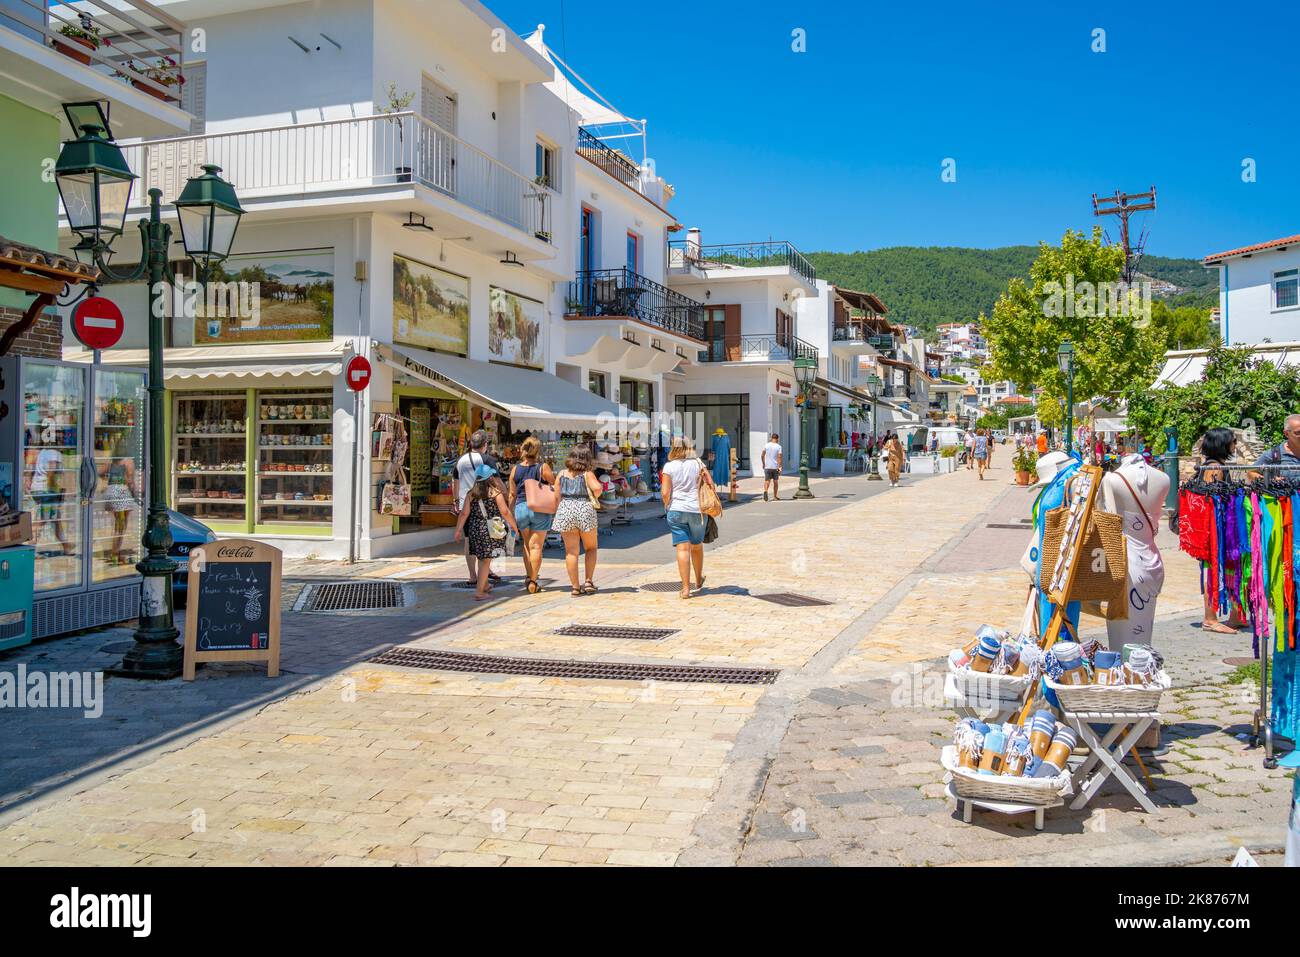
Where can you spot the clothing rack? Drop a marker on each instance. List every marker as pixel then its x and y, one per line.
pixel 1263 720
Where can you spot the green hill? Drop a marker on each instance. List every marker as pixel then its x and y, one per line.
pixel 924 286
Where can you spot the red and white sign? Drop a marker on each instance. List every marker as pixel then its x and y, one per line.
pixel 97 323
pixel 357 373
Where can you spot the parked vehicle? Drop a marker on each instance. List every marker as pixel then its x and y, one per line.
pixel 187 534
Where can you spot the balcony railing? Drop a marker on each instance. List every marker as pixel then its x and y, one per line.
pixel 765 348
pixel 684 252
pixel 129 39
pixel 613 162
pixel 623 292
pixel 343 155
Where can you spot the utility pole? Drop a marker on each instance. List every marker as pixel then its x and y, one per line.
pixel 1124 205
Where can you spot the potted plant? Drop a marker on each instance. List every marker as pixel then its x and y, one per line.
pixel 833 461
pixel 541 187
pixel 83 34
pixel 164 71
pixel 572 307
pixel 399 103
pixel 1025 463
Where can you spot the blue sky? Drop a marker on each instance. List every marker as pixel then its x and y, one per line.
pixel 841 147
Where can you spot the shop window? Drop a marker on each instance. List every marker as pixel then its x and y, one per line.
pixel 547 165
pixel 637 396
pixel 295 458
pixel 210 475
pixel 598 383
pixel 702 415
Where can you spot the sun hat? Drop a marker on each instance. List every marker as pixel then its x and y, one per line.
pixel 483 472
pixel 1049 465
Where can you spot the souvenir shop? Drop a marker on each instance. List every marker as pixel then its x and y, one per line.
pixel 1243 531
pixel 1046 718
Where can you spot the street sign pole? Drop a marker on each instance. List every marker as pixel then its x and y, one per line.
pixel 356 375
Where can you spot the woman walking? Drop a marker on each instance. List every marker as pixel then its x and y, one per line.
pixel 894 461
pixel 1218 447
pixel 533 526
pixel 120 497
pixel 575 519
pixel 681 480
pixel 483 521
pixel 981 451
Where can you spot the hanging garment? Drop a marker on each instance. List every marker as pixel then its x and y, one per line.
pixel 1194 524
pixel 722 460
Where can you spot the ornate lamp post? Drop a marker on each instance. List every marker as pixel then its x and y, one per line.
pixel 1065 359
pixel 873 385
pixel 94 182
pixel 805 372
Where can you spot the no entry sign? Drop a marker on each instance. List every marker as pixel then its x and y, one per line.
pixel 357 373
pixel 97 323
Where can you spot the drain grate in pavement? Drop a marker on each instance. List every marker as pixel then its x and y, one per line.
pixel 355 596
pixel 615 631
pixel 435 660
pixel 792 600
pixel 1018 528
pixel 661 586
pixel 1239 662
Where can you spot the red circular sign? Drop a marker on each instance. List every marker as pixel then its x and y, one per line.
pixel 357 373
pixel 97 323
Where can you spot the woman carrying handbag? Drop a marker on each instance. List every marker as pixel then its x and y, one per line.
pixel 485 522
pixel 533 499
pixel 688 490
pixel 575 518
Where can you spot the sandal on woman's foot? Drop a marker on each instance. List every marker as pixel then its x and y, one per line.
pixel 483 597
pixel 576 592
pixel 686 593
pixel 589 587
pixel 700 583
pixel 1218 628
pixel 532 587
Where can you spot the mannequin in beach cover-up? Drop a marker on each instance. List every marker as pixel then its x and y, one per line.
pixel 1136 479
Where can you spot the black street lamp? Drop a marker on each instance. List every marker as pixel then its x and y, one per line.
pixel 1065 359
pixel 873 385
pixel 805 373
pixel 94 182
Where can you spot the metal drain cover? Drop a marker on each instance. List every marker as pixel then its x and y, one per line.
pixel 791 600
pixel 661 586
pixel 355 596
pixel 614 631
pixel 435 660
pixel 1018 528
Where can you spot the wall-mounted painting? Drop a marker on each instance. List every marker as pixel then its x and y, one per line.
pixel 430 307
pixel 515 328
pixel 285 296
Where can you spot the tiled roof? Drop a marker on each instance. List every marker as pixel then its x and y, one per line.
pixel 32 259
pixel 1246 250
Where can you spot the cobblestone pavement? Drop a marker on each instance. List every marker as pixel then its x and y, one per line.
pixel 344 762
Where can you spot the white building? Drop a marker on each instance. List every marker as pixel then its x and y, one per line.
pixel 431 230
pixel 1259 292
pixel 744 381
pixel 841 324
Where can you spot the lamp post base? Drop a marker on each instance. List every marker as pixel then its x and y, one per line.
pixel 873 470
pixel 156 653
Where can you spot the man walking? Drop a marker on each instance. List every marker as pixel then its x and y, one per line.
pixel 772 458
pixel 463 482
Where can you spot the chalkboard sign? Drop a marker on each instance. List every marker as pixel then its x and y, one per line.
pixel 233 608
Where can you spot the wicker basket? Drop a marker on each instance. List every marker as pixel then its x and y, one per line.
pixel 1115 699
pixel 998 787
pixel 1000 692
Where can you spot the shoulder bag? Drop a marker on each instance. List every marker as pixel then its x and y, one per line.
pixel 710 504
pixel 541 498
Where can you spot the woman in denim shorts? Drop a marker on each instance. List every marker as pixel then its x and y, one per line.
pixel 533 526
pixel 681 480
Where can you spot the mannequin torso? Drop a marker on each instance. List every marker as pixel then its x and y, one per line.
pixel 1146 571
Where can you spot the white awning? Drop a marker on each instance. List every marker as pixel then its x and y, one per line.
pixel 837 391
pixel 269 360
pixel 252 371
pixel 592 108
pixel 1180 370
pixel 530 398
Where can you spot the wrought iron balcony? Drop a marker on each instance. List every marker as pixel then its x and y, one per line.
pixel 612 161
pixel 764 348
pixel 624 292
pixel 683 252
pixel 131 40
pixel 343 156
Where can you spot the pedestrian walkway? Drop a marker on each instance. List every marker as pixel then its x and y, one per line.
pixel 341 761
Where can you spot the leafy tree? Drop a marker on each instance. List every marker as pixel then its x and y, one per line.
pixel 1236 390
pixel 1183 327
pixel 1031 320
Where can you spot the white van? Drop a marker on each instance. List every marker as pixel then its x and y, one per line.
pixel 947 435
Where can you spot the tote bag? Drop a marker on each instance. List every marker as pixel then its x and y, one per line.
pixel 710 504
pixel 541 498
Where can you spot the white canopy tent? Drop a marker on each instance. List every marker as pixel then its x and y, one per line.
pixel 600 117
pixel 1187 366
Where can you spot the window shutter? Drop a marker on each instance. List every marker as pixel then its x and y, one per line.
pixel 731 332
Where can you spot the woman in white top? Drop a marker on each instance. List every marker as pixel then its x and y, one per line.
pixel 681 480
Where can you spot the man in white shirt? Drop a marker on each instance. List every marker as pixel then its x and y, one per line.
pixel 771 459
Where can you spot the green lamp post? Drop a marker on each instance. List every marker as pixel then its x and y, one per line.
pixel 1065 359
pixel 94 182
pixel 805 373
pixel 873 385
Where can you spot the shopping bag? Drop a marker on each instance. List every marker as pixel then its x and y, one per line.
pixel 1102 557
pixel 710 504
pixel 395 499
pixel 710 530
pixel 541 498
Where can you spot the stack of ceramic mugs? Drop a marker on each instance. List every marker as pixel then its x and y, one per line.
pixel 1079 665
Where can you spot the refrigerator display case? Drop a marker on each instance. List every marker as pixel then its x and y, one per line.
pixel 74 437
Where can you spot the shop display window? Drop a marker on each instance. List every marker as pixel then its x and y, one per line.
pixel 295 458
pixel 210 477
pixel 53 408
pixel 119 474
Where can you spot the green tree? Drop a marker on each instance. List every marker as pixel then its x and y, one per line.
pixel 1236 390
pixel 1063 300
pixel 1183 327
